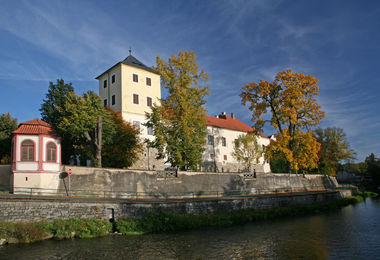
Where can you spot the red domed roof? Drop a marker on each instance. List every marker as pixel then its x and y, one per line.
pixel 35 127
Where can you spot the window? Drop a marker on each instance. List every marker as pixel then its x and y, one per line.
pixel 135 99
pixel 148 81
pixel 136 125
pixel 105 83
pixel 225 157
pixel 113 100
pixel 210 139
pixel 149 101
pixel 135 78
pixel 105 102
pixel 113 78
pixel 27 150
pixel 212 156
pixel 224 143
pixel 51 152
pixel 150 131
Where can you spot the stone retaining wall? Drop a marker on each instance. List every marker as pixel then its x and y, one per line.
pixel 87 178
pixel 23 210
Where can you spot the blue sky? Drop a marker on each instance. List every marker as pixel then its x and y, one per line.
pixel 236 42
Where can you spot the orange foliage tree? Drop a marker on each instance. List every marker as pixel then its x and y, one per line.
pixel 290 99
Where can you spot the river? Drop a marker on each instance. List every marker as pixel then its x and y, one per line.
pixel 352 232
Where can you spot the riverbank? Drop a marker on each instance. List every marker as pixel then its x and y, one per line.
pixel 158 222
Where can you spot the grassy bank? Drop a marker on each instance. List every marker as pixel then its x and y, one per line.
pixel 60 229
pixel 169 222
pixel 159 222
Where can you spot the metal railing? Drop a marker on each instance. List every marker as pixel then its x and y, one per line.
pixel 28 192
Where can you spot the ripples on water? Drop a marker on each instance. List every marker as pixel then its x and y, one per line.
pixel 351 233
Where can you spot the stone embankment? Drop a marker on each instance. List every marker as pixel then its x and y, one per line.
pixel 34 210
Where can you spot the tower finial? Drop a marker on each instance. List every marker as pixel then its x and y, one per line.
pixel 130 51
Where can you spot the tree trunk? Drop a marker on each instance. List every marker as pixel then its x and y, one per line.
pixel 98 142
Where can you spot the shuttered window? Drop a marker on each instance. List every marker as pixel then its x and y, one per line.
pixel 27 150
pixel 149 101
pixel 135 99
pixel 135 78
pixel 51 152
pixel 113 100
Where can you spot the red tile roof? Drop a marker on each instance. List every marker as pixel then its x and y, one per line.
pixel 227 122
pixel 35 127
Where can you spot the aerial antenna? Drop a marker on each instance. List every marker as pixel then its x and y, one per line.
pixel 130 51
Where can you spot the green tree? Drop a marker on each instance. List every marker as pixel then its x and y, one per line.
pixel 179 123
pixel 247 150
pixel 85 119
pixel 334 148
pixel 55 98
pixel 7 126
pixel 290 99
pixel 373 169
pixel 124 148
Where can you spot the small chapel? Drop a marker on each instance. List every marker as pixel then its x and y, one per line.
pixel 36 157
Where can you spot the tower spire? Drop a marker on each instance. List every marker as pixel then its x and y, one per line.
pixel 130 51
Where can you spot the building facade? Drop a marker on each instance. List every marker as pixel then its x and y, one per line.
pixel 36 157
pixel 222 131
pixel 131 88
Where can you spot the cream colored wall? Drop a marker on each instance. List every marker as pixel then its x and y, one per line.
pixel 41 182
pixel 220 150
pixel 26 180
pixel 140 88
pixel 112 89
pixel 129 117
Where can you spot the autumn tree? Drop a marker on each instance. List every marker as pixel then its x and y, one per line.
pixel 247 150
pixel 124 148
pixel 290 100
pixel 56 97
pixel 7 126
pixel 334 148
pixel 179 123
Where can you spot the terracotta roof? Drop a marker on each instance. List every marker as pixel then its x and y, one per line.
pixel 35 127
pixel 227 122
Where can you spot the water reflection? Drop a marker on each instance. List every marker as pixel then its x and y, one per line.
pixel 353 232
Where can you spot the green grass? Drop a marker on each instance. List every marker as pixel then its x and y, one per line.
pixel 163 222
pixel 60 229
pixel 368 194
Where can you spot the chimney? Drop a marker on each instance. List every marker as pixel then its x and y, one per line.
pixel 232 115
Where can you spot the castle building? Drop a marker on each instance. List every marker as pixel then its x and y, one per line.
pixel 222 130
pixel 131 88
pixel 36 157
